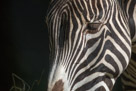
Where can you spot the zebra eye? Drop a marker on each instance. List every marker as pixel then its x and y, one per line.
pixel 93 27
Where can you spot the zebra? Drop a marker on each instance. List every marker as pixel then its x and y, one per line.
pixel 90 44
pixel 128 77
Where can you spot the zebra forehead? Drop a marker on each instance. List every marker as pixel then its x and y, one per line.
pixel 84 7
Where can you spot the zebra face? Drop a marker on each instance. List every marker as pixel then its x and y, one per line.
pixel 89 44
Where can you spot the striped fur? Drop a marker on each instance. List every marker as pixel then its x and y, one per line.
pixel 129 75
pixel 90 44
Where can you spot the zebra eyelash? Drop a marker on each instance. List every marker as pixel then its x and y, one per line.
pixel 92 27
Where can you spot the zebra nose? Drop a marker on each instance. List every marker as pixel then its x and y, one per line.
pixel 58 86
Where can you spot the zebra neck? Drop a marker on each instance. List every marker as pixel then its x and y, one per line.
pixel 129 7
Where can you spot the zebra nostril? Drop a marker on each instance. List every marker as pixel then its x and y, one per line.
pixel 58 86
pixel 93 27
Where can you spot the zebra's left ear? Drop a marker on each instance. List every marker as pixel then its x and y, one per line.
pixel 93 27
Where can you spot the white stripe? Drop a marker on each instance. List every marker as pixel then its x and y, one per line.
pixel 134 17
pixel 89 51
pixel 100 84
pixel 88 79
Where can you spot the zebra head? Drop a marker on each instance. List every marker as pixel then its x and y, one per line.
pixel 90 44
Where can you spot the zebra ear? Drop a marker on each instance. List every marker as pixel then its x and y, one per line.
pixel 93 27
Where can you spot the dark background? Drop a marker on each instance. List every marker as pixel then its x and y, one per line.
pixel 24 43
